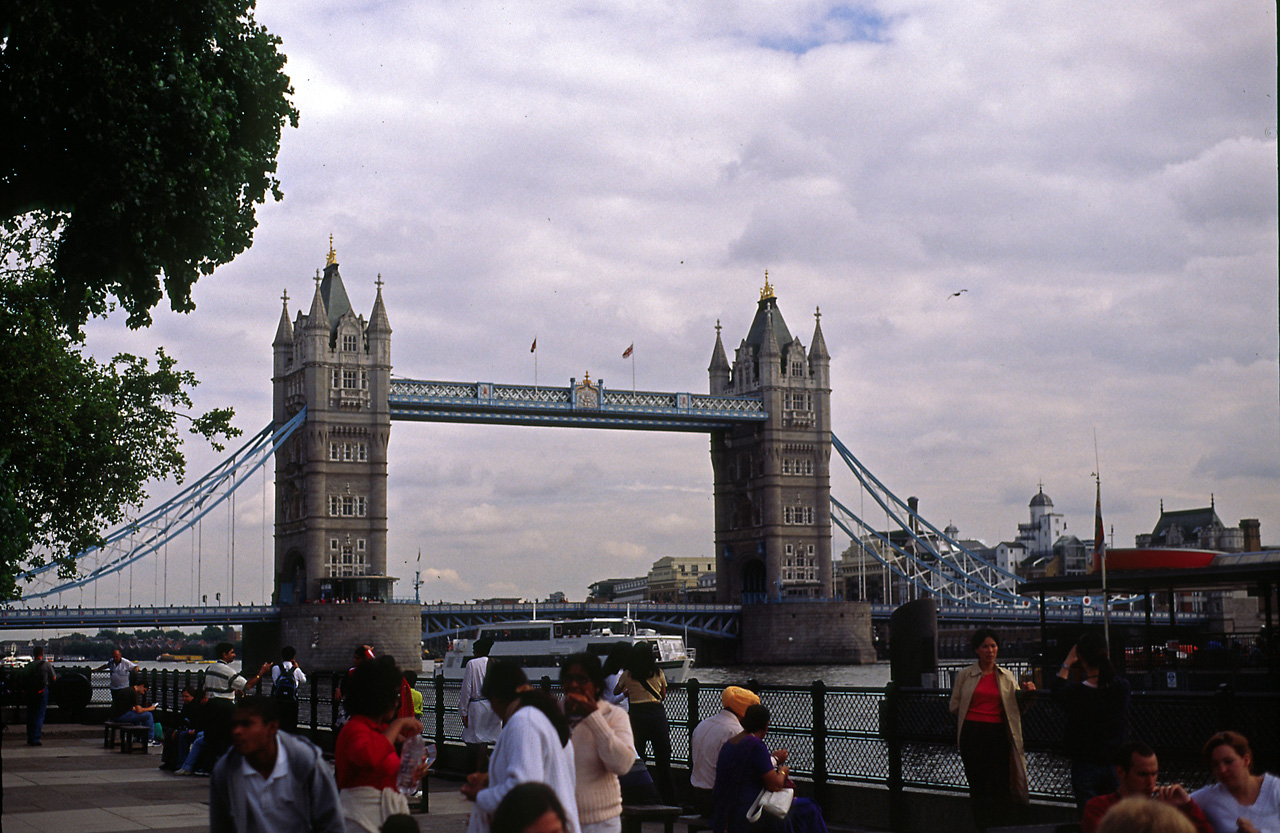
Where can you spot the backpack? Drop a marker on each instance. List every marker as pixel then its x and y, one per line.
pixel 32 685
pixel 286 685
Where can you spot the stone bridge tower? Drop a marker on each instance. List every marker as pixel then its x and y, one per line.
pixel 331 475
pixel 772 479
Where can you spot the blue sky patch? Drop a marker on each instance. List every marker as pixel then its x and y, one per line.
pixel 841 24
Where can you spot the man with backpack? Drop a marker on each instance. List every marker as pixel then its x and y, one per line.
pixel 38 677
pixel 286 677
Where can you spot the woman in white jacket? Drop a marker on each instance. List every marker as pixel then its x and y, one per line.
pixel 533 746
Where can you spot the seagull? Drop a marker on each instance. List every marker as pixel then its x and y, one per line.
pixel 956 294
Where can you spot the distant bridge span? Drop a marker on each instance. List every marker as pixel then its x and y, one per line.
pixel 715 621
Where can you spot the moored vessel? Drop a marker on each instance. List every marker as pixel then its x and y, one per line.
pixel 540 645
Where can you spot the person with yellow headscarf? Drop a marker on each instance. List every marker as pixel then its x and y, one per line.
pixel 711 734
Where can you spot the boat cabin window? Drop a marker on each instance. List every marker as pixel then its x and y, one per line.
pixel 518 634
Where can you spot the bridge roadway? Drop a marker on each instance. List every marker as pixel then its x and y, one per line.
pixel 715 621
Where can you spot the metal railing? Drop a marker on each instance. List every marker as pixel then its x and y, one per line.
pixel 897 738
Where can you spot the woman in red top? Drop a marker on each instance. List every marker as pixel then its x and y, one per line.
pixel 985 699
pixel 366 756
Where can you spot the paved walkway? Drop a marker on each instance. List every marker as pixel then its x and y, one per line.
pixel 72 785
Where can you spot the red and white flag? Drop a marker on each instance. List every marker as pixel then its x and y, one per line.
pixel 626 354
pixel 1099 537
pixel 533 348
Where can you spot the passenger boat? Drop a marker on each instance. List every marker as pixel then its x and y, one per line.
pixel 16 661
pixel 540 645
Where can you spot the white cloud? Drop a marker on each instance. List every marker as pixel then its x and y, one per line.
pixel 1102 181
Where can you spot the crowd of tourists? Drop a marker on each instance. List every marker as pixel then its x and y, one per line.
pixel 570 766
pixel 542 765
pixel 1114 779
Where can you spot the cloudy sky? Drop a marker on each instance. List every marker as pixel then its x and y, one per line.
pixel 1101 179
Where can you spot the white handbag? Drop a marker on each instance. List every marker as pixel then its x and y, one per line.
pixel 776 804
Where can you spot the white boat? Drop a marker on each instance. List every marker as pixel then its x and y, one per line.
pixel 540 645
pixel 16 661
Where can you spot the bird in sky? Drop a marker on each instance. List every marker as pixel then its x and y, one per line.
pixel 956 294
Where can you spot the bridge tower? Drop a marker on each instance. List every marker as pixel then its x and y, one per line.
pixel 772 479
pixel 331 475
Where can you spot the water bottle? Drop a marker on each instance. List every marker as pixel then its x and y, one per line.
pixel 411 754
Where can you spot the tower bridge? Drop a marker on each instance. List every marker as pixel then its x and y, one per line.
pixel 768 416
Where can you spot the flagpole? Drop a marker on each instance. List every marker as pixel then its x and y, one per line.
pixel 633 374
pixel 1100 546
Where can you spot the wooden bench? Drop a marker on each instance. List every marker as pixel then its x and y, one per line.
pixel 634 815
pixel 128 732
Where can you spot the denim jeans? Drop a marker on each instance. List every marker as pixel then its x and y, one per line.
pixel 197 746
pixel 141 718
pixel 36 708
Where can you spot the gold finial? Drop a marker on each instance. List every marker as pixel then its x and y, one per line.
pixel 817 313
pixel 378 282
pixel 317 278
pixel 586 378
pixel 333 256
pixel 285 297
pixel 717 328
pixel 767 292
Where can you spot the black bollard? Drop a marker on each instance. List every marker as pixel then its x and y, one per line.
pixel 913 644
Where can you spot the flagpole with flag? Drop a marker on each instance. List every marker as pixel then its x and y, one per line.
pixel 1100 555
pixel 629 353
pixel 533 348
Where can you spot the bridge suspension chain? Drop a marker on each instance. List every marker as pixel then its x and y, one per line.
pixel 934 564
pixel 155 528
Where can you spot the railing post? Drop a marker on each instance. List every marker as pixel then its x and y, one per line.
pixel 439 684
pixel 691 690
pixel 889 725
pixel 819 694
pixel 315 704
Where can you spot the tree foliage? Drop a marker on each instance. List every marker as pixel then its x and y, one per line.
pixel 81 438
pixel 154 125
pixel 138 138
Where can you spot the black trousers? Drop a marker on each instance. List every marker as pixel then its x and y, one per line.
pixel 985 750
pixel 649 726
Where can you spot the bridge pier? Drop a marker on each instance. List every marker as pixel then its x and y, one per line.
pixel 326 635
pixel 807 633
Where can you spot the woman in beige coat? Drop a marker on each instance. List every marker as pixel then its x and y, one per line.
pixel 989 733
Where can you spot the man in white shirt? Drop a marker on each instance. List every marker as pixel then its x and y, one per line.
pixel 223 683
pixel 271 781
pixel 480 726
pixel 120 681
pixel 708 736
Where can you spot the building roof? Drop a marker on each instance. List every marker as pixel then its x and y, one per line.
pixel 335 295
pixel 1041 499
pixel 1227 570
pixel 767 313
pixel 1187 520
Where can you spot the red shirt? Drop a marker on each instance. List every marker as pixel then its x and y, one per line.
pixel 984 705
pixel 363 757
pixel 1100 804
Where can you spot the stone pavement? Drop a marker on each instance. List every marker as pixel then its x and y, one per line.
pixel 72 785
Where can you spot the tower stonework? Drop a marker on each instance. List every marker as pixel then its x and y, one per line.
pixel 331 475
pixel 772 479
pixel 331 484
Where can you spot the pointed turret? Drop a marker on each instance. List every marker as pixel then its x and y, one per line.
pixel 719 368
pixel 378 321
pixel 819 358
pixel 378 332
pixel 284 332
pixel 318 319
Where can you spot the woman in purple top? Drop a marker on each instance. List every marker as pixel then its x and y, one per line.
pixel 743 769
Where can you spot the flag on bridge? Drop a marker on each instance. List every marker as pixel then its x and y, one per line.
pixel 626 354
pixel 1099 537
pixel 533 348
